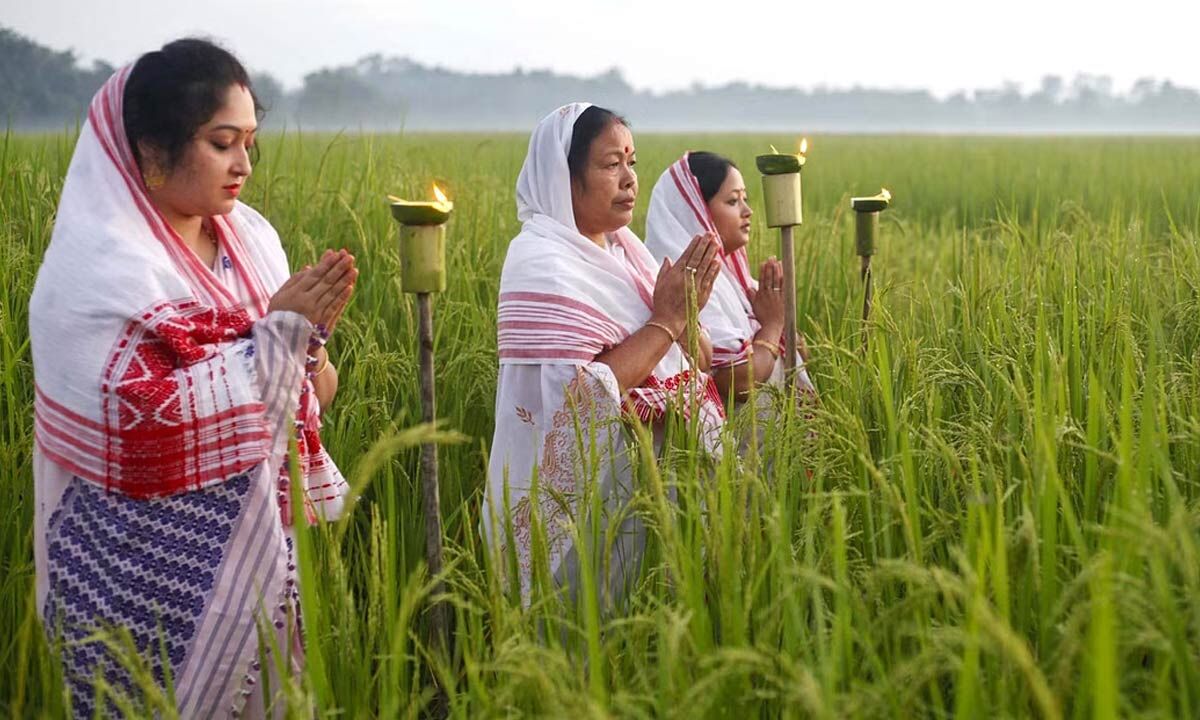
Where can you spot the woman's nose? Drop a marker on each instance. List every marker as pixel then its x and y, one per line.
pixel 628 178
pixel 242 165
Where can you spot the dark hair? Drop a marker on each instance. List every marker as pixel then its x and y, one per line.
pixel 587 128
pixel 710 170
pixel 171 92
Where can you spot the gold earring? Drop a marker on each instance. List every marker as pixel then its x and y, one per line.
pixel 154 180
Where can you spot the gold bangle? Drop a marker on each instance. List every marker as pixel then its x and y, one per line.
pixel 324 367
pixel 664 328
pixel 771 347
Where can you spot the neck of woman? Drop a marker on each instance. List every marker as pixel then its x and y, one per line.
pixel 189 227
pixel 597 236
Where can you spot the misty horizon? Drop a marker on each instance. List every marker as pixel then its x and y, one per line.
pixel 379 92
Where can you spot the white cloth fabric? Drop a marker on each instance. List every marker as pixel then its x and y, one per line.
pixel 563 301
pixel 165 397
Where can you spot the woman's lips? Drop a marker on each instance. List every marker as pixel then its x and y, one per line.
pixel 626 204
pixel 233 190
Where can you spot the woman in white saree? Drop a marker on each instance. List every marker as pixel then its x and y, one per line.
pixel 590 328
pixel 173 357
pixel 704 192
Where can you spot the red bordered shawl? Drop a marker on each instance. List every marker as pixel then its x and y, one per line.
pixel 127 327
pixel 677 214
pixel 563 299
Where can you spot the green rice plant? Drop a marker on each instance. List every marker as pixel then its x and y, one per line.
pixel 993 512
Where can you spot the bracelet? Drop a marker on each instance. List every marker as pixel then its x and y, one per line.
pixel 324 367
pixel 664 328
pixel 319 336
pixel 770 347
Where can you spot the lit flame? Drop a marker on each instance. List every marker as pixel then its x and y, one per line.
pixel 886 194
pixel 803 145
pixel 441 196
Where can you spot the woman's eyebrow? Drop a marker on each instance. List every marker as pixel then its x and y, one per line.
pixel 234 128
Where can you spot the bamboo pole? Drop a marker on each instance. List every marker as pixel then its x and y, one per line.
pixel 430 490
pixel 867 290
pixel 787 254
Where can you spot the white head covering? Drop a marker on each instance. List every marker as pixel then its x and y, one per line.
pixel 677 214
pixel 544 185
pixel 122 319
pixel 564 299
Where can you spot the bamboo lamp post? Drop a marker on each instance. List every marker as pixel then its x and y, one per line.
pixel 866 233
pixel 423 272
pixel 784 210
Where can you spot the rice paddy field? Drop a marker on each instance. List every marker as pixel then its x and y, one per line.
pixel 993 512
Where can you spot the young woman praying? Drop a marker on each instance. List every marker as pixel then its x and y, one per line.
pixel 174 355
pixel 704 192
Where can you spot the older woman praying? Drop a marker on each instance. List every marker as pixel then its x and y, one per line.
pixel 590 327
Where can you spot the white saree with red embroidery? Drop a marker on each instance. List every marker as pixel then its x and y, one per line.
pixel 564 300
pixel 165 397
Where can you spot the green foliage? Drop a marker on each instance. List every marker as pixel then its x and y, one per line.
pixel 993 512
pixel 43 87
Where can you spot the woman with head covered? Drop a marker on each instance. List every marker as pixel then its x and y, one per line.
pixel 590 329
pixel 174 354
pixel 704 192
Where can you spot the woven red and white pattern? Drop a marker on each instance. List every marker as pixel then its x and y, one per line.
pixel 136 389
pixel 566 301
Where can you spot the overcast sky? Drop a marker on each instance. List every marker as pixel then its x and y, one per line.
pixel 935 44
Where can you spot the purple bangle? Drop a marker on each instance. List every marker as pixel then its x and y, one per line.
pixel 319 336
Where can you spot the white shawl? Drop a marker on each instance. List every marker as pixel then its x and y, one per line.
pixel 563 301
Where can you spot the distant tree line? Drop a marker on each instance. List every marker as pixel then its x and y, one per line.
pixel 40 87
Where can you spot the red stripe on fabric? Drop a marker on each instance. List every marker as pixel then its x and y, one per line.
pixel 41 395
pixel 689 188
pixel 727 358
pixel 68 434
pixel 71 467
pixel 185 260
pixel 236 250
pixel 200 425
pixel 643 278
pixel 548 338
pixel 543 353
pixel 572 325
pixel 551 299
pixel 541 311
pixel 51 438
pixel 549 326
pixel 741 269
pixel 65 437
pixel 678 169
